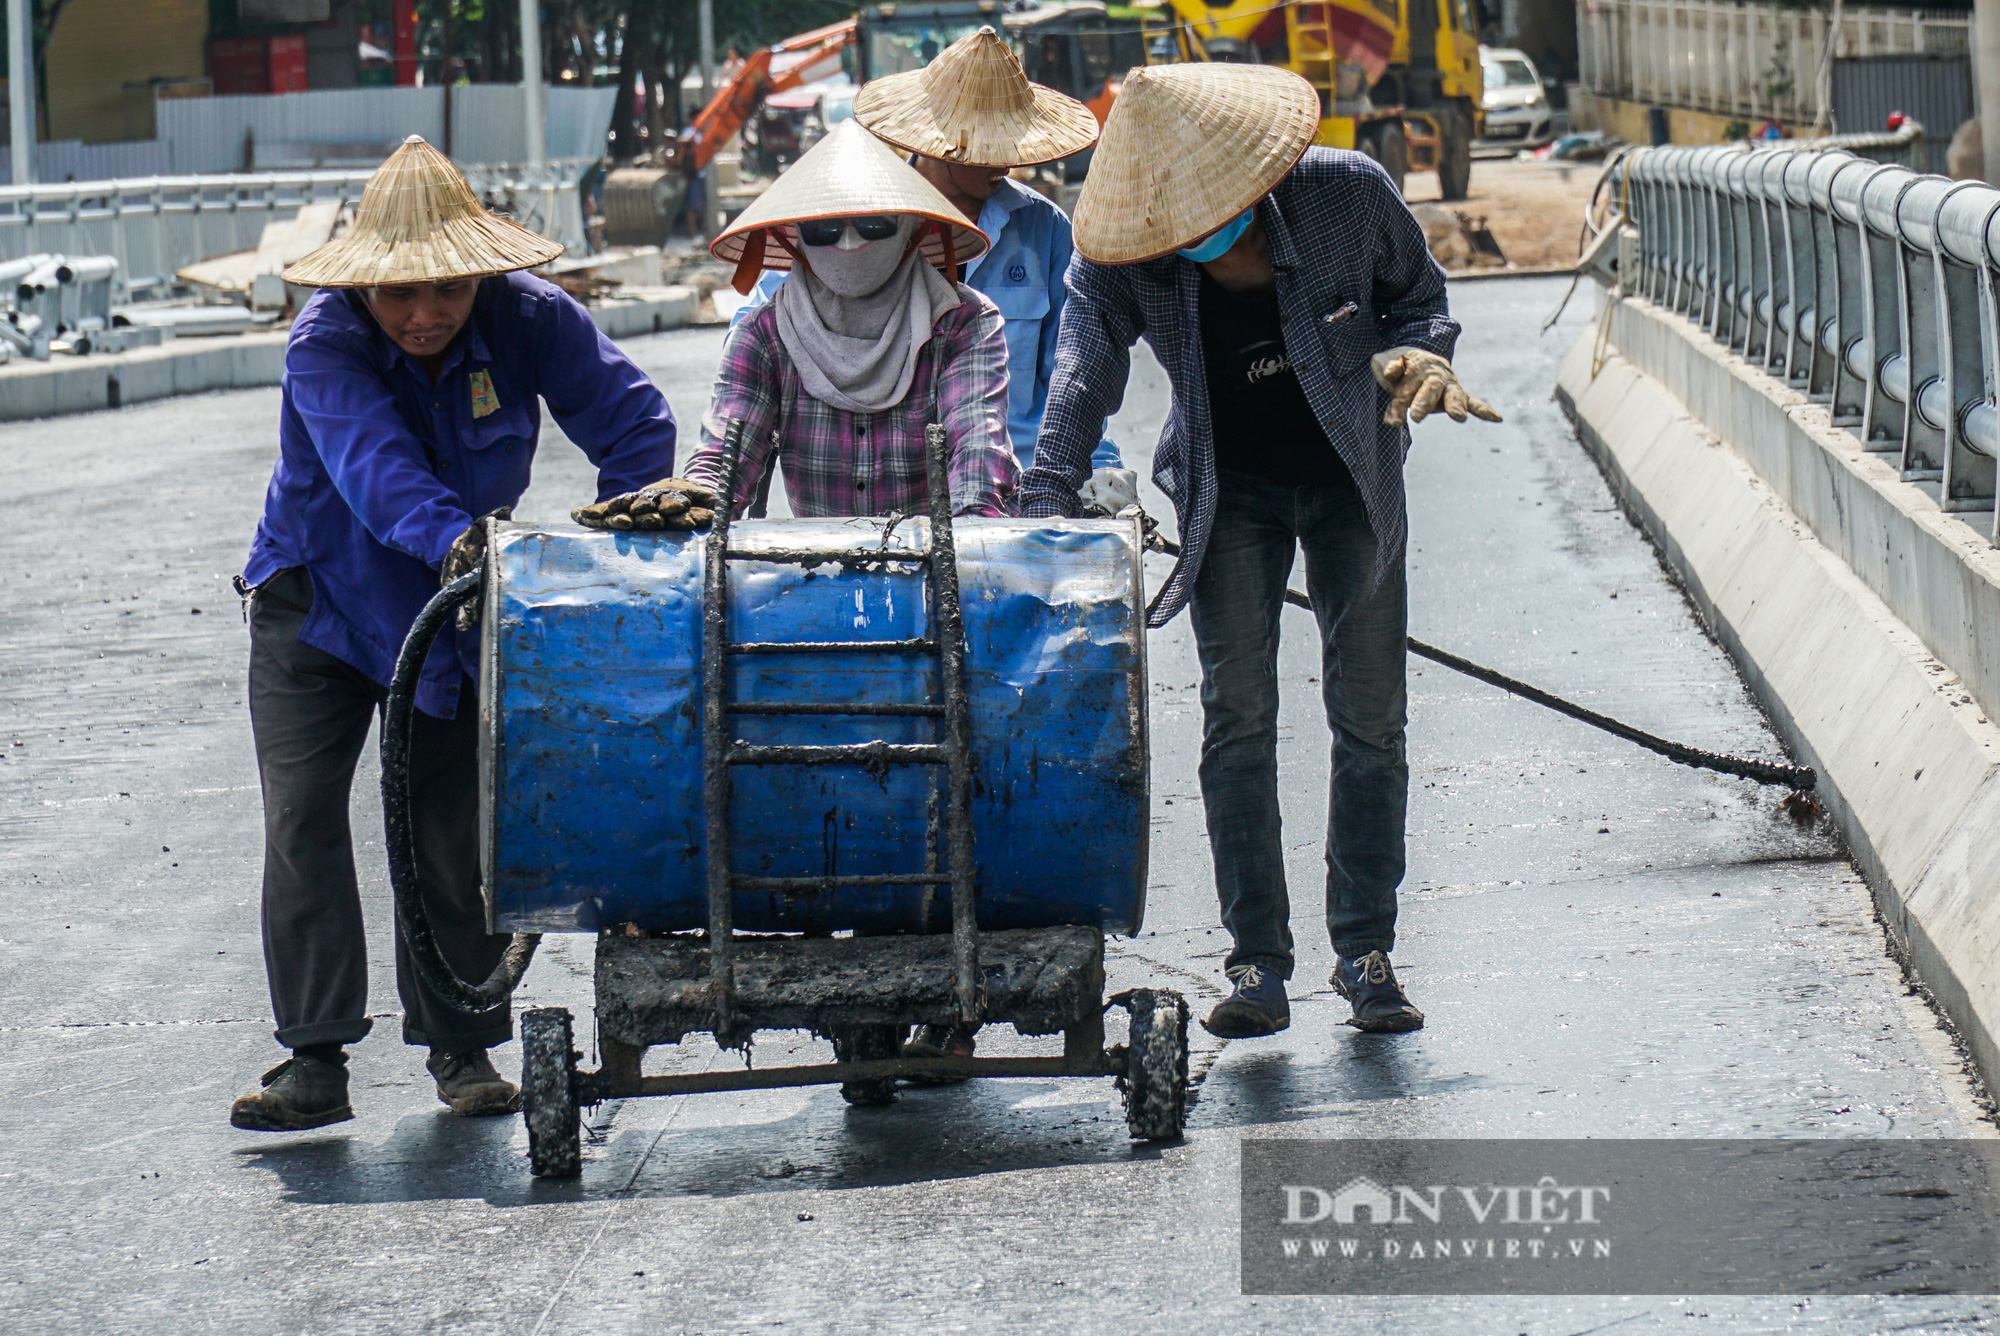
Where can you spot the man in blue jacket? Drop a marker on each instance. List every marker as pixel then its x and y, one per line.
pixel 411 390
pixel 1288 294
pixel 967 152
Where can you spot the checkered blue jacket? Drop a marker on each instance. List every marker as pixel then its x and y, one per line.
pixel 1339 233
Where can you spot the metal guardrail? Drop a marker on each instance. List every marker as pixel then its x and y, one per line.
pixel 155 225
pixel 1869 286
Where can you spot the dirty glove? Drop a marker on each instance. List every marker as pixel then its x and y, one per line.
pixel 670 503
pixel 468 550
pixel 1419 382
pixel 1109 492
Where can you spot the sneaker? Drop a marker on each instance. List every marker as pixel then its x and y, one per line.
pixel 1370 986
pixel 298 1094
pixel 1257 1007
pixel 939 1041
pixel 471 1085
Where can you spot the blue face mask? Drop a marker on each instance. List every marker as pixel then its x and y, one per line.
pixel 1214 246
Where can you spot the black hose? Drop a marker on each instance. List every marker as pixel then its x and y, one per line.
pixel 1799 778
pixel 412 919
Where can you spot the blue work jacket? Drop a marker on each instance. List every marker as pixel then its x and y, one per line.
pixel 380 469
pixel 1023 274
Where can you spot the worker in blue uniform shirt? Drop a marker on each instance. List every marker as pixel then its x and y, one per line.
pixel 967 153
pixel 1302 324
pixel 413 391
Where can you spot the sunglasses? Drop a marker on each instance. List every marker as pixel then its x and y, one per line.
pixel 827 231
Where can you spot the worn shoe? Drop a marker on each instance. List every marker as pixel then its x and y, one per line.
pixel 1370 987
pixel 939 1041
pixel 298 1094
pixel 471 1085
pixel 1256 1007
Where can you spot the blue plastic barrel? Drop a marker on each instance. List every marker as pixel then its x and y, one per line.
pixel 591 707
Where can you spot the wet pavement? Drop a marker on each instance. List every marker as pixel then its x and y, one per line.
pixel 1607 945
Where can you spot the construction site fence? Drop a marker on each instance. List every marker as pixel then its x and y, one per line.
pixel 156 225
pixel 1751 61
pixel 1867 286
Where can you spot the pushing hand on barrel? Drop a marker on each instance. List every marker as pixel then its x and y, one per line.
pixel 670 503
pixel 1421 382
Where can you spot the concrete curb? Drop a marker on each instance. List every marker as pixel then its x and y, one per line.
pixel 1908 757
pixel 241 361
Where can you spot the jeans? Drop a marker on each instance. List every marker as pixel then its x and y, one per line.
pixel 1238 598
pixel 310 713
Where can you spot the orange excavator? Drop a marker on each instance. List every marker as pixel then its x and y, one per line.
pixel 641 200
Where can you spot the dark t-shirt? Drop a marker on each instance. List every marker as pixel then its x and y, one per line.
pixel 1263 424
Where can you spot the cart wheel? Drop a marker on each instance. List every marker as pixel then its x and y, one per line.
pixel 1156 1065
pixel 548 1094
pixel 858 1043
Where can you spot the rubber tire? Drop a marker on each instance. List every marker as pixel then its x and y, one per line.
pixel 1156 1065
pixel 1390 150
pixel 1455 153
pixel 548 1093
pixel 860 1043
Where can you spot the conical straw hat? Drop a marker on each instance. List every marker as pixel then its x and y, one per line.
pixel 419 222
pixel 972 104
pixel 1187 148
pixel 850 172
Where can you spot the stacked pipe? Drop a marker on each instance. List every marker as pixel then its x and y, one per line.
pixel 1869 287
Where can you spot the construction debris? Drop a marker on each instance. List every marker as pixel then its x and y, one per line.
pixel 1458 240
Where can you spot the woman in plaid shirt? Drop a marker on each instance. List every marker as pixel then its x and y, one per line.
pixel 840 372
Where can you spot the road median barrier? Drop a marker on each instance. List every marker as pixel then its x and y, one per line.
pixel 82 384
pixel 1861 613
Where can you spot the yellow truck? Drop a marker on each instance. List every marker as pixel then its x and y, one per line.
pixel 1398 79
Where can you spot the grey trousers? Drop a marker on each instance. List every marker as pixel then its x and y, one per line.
pixel 310 714
pixel 1260 527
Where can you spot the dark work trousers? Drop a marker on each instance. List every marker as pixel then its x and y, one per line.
pixel 310 714
pixel 1238 599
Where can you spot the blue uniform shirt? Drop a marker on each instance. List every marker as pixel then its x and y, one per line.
pixel 379 469
pixel 1023 274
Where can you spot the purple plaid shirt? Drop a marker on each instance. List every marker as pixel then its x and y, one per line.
pixel 842 463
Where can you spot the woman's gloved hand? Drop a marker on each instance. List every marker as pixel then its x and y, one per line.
pixel 1419 382
pixel 670 503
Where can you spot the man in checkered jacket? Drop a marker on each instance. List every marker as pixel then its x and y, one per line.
pixel 1302 323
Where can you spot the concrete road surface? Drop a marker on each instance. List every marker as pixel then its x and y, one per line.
pixel 1607 946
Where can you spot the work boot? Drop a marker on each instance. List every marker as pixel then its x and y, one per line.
pixel 471 1084
pixel 299 1093
pixel 1370 986
pixel 1256 1007
pixel 939 1041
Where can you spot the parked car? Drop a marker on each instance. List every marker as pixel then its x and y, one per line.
pixel 1517 107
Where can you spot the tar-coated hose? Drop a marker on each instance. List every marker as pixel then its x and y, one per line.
pixel 1799 778
pixel 412 919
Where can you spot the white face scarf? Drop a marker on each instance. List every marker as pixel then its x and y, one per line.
pixel 857 313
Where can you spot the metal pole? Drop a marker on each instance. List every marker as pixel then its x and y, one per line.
pixel 21 87
pixel 711 222
pixel 1986 73
pixel 534 93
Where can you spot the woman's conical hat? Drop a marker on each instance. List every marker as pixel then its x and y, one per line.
pixel 972 104
pixel 419 222
pixel 1187 148
pixel 848 173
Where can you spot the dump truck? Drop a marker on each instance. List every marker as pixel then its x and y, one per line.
pixel 1398 79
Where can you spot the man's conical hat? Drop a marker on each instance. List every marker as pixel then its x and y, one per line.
pixel 972 104
pixel 1187 148
pixel 419 222
pixel 848 173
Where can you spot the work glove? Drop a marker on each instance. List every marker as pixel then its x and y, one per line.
pixel 670 503
pixel 1109 492
pixel 1419 382
pixel 467 551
